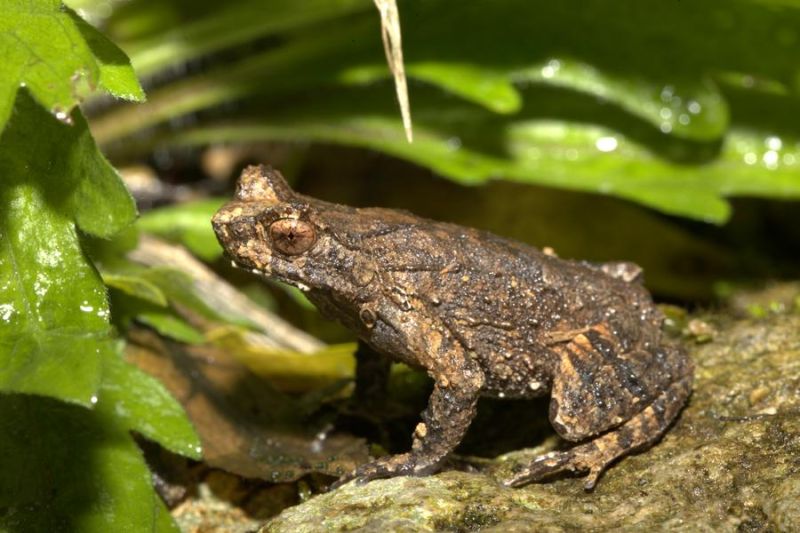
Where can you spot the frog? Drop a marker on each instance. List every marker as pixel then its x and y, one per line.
pixel 483 315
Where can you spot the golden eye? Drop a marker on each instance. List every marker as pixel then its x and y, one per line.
pixel 291 236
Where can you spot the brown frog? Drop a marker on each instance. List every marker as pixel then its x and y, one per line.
pixel 483 315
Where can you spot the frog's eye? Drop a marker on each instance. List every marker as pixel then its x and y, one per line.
pixel 291 236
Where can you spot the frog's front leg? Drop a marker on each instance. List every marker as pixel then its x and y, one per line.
pixel 451 408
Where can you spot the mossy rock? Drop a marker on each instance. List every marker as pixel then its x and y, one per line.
pixel 730 463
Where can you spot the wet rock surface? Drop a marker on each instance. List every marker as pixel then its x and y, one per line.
pixel 730 463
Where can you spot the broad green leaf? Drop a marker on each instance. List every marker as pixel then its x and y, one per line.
pixel 66 468
pixel 115 72
pixel 58 57
pixel 188 224
pixel 142 404
pixel 54 326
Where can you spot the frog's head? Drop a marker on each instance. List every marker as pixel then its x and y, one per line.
pixel 273 231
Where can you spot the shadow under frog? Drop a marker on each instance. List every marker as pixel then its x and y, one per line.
pixel 483 315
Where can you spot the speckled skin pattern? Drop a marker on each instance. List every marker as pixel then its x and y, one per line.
pixel 483 315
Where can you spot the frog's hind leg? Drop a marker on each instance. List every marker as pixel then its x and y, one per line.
pixel 594 456
pixel 632 397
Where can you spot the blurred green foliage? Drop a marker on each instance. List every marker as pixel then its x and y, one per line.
pixel 659 103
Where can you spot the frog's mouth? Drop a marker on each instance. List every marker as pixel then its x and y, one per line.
pixel 302 286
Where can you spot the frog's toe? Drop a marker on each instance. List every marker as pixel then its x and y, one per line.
pixel 542 467
pixel 355 475
pixel 343 480
pixel 580 459
pixel 396 465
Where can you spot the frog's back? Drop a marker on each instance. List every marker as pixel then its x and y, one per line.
pixel 492 279
pixel 506 301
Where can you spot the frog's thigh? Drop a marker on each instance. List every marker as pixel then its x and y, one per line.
pixel 596 388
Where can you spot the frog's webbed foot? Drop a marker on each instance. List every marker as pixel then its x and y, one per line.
pixel 594 456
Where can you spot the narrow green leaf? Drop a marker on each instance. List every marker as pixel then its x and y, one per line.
pixel 241 22
pixel 54 326
pixel 170 325
pixel 136 286
pixel 482 85
pixel 272 71
pixel 493 90
pixel 179 289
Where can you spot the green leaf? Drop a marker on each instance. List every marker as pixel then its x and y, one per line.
pixel 137 287
pixel 66 468
pixel 142 404
pixel 142 294
pixel 188 224
pixel 168 324
pixel 116 74
pixel 493 90
pixel 47 48
pixel 135 297
pixel 693 108
pixel 54 326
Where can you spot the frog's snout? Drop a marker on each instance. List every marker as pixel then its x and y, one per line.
pixel 220 223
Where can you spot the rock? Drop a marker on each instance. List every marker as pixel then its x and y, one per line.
pixel 730 463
